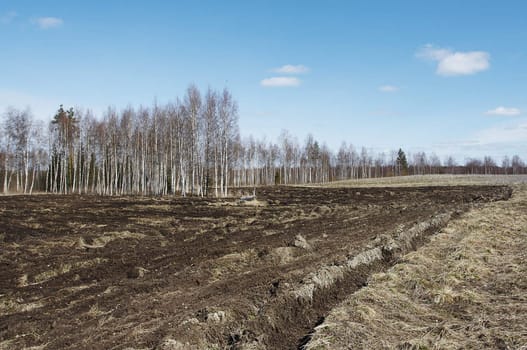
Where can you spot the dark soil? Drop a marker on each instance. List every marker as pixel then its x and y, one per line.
pixel 85 272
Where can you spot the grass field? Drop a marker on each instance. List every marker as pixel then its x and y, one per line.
pixel 466 289
pixel 432 180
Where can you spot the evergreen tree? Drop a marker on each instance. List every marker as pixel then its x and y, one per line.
pixel 402 163
pixel 65 130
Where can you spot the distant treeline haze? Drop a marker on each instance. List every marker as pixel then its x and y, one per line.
pixel 191 146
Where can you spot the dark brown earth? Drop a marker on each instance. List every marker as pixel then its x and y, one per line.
pixel 150 273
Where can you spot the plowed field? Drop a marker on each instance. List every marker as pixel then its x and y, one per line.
pixel 181 273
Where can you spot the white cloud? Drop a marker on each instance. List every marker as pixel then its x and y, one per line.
pixel 388 88
pixel 451 63
pixel 504 134
pixel 504 111
pixel 497 141
pixel 8 17
pixel 291 69
pixel 48 22
pixel 280 82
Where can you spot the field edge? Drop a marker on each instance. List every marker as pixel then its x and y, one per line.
pixel 465 288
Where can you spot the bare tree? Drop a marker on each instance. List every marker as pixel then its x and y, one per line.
pixel 489 165
pixel 187 147
pixel 506 164
pixel 18 130
pixel 451 164
pixel 434 164
pixel 228 133
pixel 517 164
pixel 211 136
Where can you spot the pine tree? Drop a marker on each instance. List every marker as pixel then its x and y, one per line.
pixel 62 168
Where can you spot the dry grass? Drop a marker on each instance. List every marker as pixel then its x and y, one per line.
pixel 232 263
pixel 253 203
pixel 102 240
pixel 153 221
pixel 283 255
pixel 61 269
pixel 398 243
pixel 9 344
pixel 10 306
pixel 226 201
pixel 431 180
pixel 466 289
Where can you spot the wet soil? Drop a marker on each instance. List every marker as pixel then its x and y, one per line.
pixel 86 272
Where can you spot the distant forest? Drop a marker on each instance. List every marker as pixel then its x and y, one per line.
pixel 191 146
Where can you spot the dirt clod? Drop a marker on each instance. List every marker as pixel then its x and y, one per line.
pixel 136 272
pixel 301 242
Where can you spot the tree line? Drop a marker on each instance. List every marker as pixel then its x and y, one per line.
pixel 191 146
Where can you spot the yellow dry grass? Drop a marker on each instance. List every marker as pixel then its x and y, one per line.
pixel 10 344
pixel 61 269
pixel 11 306
pixel 153 221
pixel 431 180
pixel 102 240
pixel 232 263
pixel 466 289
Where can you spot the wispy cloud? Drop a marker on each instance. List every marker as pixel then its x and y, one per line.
pixel 504 134
pixel 452 63
pixel 280 82
pixel 291 69
pixel 42 107
pixel 8 17
pixel 388 88
pixel 506 139
pixel 48 22
pixel 504 111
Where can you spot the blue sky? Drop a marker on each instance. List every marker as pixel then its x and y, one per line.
pixel 446 76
